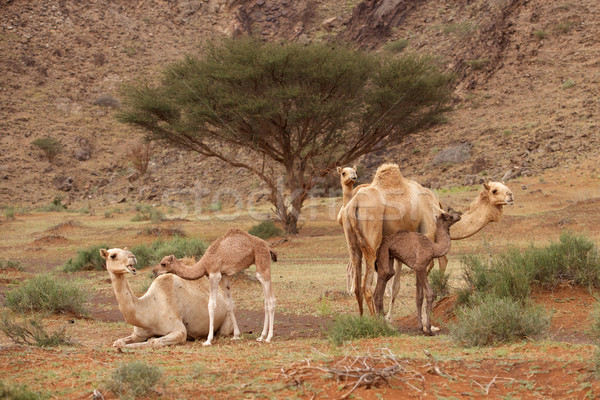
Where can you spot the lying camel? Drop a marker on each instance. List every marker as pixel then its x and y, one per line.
pixel 416 251
pixel 168 312
pixel 226 256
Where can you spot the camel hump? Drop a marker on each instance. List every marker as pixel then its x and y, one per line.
pixel 273 255
pixel 388 176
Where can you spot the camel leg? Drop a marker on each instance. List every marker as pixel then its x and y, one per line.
pixel 229 305
pixel 384 273
pixel 267 332
pixel 356 262
pixel 139 335
pixel 213 279
pixel 173 338
pixel 443 262
pixel 368 281
pixel 349 277
pixel 395 289
pixel 429 296
pixel 419 295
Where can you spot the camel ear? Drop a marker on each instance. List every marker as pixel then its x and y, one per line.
pixel 125 248
pixel 339 170
pixel 355 168
pixel 486 186
pixel 171 258
pixel 104 253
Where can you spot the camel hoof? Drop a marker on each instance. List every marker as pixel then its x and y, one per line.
pixel 207 343
pixel 236 338
pixel 260 339
pixel 435 328
pixel 118 343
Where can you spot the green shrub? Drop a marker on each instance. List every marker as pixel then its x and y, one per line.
pixel 541 34
pixel 564 27
pixel 49 145
pixel 477 64
pixel 135 379
pixel 350 327
pixel 11 391
pixel 595 328
pixel 85 260
pixel 49 293
pixel 597 362
pixel 9 264
pixel 216 206
pixel 108 214
pixel 147 213
pixel 396 46
pixel 32 332
pixel 56 205
pixel 439 282
pixel 149 255
pixel 265 230
pixel 9 213
pixel 492 320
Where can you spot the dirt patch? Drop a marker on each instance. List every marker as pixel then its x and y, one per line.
pixel 66 226
pixel 50 240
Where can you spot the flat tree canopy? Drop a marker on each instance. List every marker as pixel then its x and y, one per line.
pixel 288 110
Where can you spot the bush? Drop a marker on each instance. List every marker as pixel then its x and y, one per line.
pixel 478 64
pixel 595 328
pixel 9 264
pixel 49 145
pixel 265 230
pixel 397 46
pixel 350 327
pixel 147 213
pixel 19 392
pixel 9 213
pixel 494 320
pixel 149 255
pixel 32 332
pixel 140 155
pixel 85 260
pixel 56 205
pixel 49 293
pixel 439 282
pixel 134 379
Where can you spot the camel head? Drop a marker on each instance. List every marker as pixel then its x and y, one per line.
pixel 119 261
pixel 498 194
pixel 165 265
pixel 448 219
pixel 348 175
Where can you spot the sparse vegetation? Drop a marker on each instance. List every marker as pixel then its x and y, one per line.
pixel 49 293
pixel 32 332
pixel 135 379
pixel 458 28
pixel 49 145
pixel 9 213
pixel 478 64
pixel 350 327
pixel 541 34
pixel 396 46
pixel 216 206
pixel 568 84
pixel 11 391
pixel 564 27
pixel 265 230
pixel 149 255
pixel 10 264
pixel 493 320
pixel 88 259
pixel 439 282
pixel 147 213
pixel 56 205
pixel 139 155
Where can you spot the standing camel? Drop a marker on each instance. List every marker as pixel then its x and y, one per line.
pixel 226 256
pixel 168 313
pixel 389 204
pixel 417 252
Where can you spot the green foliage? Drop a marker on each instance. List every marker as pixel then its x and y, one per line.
pixel 265 230
pixel 32 332
pixel 350 327
pixel 10 264
pixel 492 320
pixel 541 34
pixel 147 213
pixel 108 214
pixel 49 145
pixel 459 28
pixel 597 362
pixel 397 46
pixel 478 64
pixel 11 391
pixel 49 293
pixel 88 259
pixel 564 27
pixel 216 206
pixel 595 328
pixel 439 282
pixel 568 84
pixel 135 379
pixel 149 255
pixel 9 213
pixel 56 205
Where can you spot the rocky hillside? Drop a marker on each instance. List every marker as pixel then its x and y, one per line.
pixel 526 99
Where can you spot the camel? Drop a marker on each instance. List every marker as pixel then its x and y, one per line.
pixel 392 203
pixel 168 309
pixel 417 252
pixel 226 256
pixel 485 208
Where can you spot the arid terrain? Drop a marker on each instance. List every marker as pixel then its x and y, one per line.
pixel 526 110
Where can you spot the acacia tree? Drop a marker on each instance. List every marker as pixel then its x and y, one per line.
pixel 301 109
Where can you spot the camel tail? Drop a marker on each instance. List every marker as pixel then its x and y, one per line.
pixel 353 219
pixel 273 255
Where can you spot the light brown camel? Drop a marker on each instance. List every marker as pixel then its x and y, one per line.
pixel 226 256
pixel 389 204
pixel 417 252
pixel 485 208
pixel 169 308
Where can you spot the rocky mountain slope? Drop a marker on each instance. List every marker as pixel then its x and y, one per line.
pixel 526 99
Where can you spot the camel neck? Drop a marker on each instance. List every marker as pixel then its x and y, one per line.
pixel 441 247
pixel 346 194
pixel 196 271
pixel 127 300
pixel 473 221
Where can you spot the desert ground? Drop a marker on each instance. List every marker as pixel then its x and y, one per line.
pixel 309 284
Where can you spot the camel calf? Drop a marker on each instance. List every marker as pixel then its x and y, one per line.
pixel 417 251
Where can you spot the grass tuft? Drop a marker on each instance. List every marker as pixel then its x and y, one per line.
pixel 19 392
pixel 439 283
pixel 86 260
pixel 49 293
pixel 265 230
pixel 493 320
pixel 135 379
pixel 350 327
pixel 10 264
pixel 147 213
pixel 32 332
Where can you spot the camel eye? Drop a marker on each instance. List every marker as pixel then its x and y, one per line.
pixel 494 191
pixel 113 256
pixel 163 265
